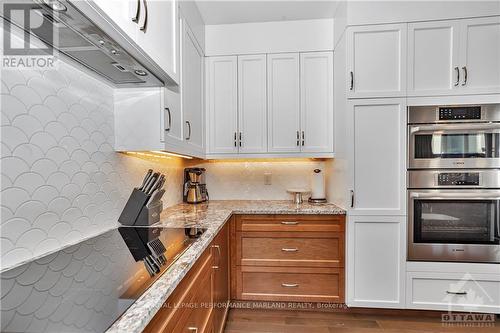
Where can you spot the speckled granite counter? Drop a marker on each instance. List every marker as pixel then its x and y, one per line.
pixel 212 216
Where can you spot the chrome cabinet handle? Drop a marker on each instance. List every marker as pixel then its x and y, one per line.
pixel 218 257
pixel 459 293
pixel 137 12
pixel 352 198
pixel 298 138
pixel 145 23
pixel 289 285
pixel 352 80
pixel 289 222
pixel 303 138
pixel 189 128
pixel 235 139
pixel 241 136
pixel 465 75
pixel 169 120
pixel 458 76
pixel 290 249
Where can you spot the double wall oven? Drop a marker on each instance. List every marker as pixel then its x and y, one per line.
pixel 454 183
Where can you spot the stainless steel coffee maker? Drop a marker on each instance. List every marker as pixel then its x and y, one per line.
pixel 195 189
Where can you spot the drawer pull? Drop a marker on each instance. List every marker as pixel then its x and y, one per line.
pixel 289 249
pixel 193 329
pixel 289 222
pixel 289 285
pixel 459 293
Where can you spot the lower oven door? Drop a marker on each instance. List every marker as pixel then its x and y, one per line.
pixel 454 225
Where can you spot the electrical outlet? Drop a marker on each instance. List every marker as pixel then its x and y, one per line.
pixel 268 178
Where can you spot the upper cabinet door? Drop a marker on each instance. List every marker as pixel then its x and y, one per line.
pixel 316 101
pixel 283 102
pixel 252 104
pixel 433 52
pixel 377 155
pixel 123 13
pixel 192 62
pixel 376 61
pixel 222 103
pixel 480 55
pixel 158 31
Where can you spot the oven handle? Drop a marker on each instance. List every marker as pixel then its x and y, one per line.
pixel 455 195
pixel 468 127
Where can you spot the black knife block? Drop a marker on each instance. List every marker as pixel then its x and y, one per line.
pixel 132 210
pixel 150 215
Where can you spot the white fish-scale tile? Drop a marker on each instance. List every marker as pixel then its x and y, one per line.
pixel 46 220
pixel 29 181
pixel 43 87
pixel 13 78
pixel 14 197
pixel 12 107
pixel 43 113
pixel 31 238
pixel 27 152
pixel 44 167
pixel 57 130
pixel 57 154
pixel 12 167
pixel 59 205
pixel 45 194
pixel 27 95
pixel 32 274
pixel 13 136
pixel 43 140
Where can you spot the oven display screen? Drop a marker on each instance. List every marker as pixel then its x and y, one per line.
pixel 457 179
pixel 460 113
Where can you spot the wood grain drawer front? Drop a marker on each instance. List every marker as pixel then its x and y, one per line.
pixel 458 292
pixel 303 252
pixel 322 285
pixel 325 223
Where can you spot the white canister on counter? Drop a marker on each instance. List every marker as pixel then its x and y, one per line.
pixel 318 187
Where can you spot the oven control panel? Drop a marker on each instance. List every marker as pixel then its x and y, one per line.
pixel 460 113
pixel 458 179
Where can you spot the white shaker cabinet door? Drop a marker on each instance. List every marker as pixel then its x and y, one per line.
pixel 283 102
pixel 480 55
pixel 158 33
pixel 192 90
pixel 376 61
pixel 124 13
pixel 376 257
pixel 316 101
pixel 252 104
pixel 377 154
pixel 433 58
pixel 222 103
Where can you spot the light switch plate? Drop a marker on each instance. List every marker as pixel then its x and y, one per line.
pixel 268 178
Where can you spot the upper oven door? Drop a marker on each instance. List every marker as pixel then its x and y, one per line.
pixel 459 145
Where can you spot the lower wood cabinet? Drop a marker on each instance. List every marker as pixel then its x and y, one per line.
pixel 199 303
pixel 288 258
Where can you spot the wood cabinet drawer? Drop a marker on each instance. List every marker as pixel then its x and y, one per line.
pixel 283 249
pixel 287 284
pixel 290 223
pixel 453 291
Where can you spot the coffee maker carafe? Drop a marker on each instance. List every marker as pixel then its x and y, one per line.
pixel 195 189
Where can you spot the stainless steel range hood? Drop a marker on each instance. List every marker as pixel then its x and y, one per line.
pixel 90 40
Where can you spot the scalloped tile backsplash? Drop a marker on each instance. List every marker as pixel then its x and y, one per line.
pixel 61 181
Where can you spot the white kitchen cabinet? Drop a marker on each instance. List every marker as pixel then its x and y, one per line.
pixel 316 101
pixel 123 13
pixel 158 33
pixel 152 25
pixel 139 119
pixel 375 261
pixel 192 83
pixel 222 104
pixel 377 155
pixel 433 58
pixel 283 95
pixel 252 104
pixel 376 61
pixel 480 55
pixel 453 291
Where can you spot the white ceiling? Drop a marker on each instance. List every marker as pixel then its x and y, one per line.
pixel 245 11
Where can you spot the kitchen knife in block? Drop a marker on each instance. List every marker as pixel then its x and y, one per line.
pixel 133 207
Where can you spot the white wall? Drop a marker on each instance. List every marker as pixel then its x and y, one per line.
pixel 375 12
pixel 245 179
pixel 269 37
pixel 190 12
pixel 61 180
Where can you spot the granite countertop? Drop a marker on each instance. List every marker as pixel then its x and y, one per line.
pixel 212 216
